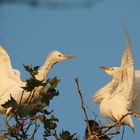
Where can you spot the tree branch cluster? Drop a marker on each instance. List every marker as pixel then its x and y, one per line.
pixel 97 128
pixel 36 112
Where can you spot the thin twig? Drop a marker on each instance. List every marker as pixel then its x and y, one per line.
pixel 55 135
pixel 16 137
pixel 29 125
pixel 123 133
pixel 117 124
pixel 96 116
pixel 35 130
pixel 21 126
pixel 21 97
pixel 82 104
pixel 30 97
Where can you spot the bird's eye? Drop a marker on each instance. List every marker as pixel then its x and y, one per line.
pixel 112 69
pixel 59 55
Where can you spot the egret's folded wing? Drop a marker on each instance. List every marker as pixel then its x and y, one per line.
pixel 127 74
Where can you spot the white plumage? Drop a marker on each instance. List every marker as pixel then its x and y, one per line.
pixel 121 95
pixel 11 83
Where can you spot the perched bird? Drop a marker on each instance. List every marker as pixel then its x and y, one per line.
pixel 96 132
pixel 118 97
pixel 11 83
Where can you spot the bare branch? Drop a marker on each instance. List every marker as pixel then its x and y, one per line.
pixel 123 133
pixel 21 97
pixel 104 130
pixel 82 104
pixel 35 130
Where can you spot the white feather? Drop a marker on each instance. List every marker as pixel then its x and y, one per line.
pixel 116 98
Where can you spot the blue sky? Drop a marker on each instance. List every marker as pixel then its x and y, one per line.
pixel 93 35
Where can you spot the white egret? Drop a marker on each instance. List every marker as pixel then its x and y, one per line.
pixel 117 98
pixel 11 83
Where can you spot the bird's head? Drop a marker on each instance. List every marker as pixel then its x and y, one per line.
pixel 56 56
pixel 113 71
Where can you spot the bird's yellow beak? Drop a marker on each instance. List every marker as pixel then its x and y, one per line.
pixel 105 68
pixel 68 56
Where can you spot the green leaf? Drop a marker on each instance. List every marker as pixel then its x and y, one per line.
pixel 35 70
pixel 28 68
pixel 32 83
pixel 36 67
pixel 24 110
pixel 46 112
pixel 32 71
pixel 46 97
pixel 53 118
pixel 10 103
pixel 54 82
pixel 50 124
pixel 65 135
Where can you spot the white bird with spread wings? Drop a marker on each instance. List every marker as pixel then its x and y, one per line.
pixel 122 94
pixel 11 83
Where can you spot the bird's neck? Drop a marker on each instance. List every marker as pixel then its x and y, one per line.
pixel 44 70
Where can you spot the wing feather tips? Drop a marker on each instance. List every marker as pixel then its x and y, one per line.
pixel 128 41
pixel 129 67
pixel 3 54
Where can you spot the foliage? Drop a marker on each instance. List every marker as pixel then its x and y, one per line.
pixel 65 135
pixel 35 111
pixel 28 116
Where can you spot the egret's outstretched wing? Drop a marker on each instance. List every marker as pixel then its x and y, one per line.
pixel 17 74
pixel 7 76
pixel 127 72
pixel 6 67
pixel 4 70
pixel 4 62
